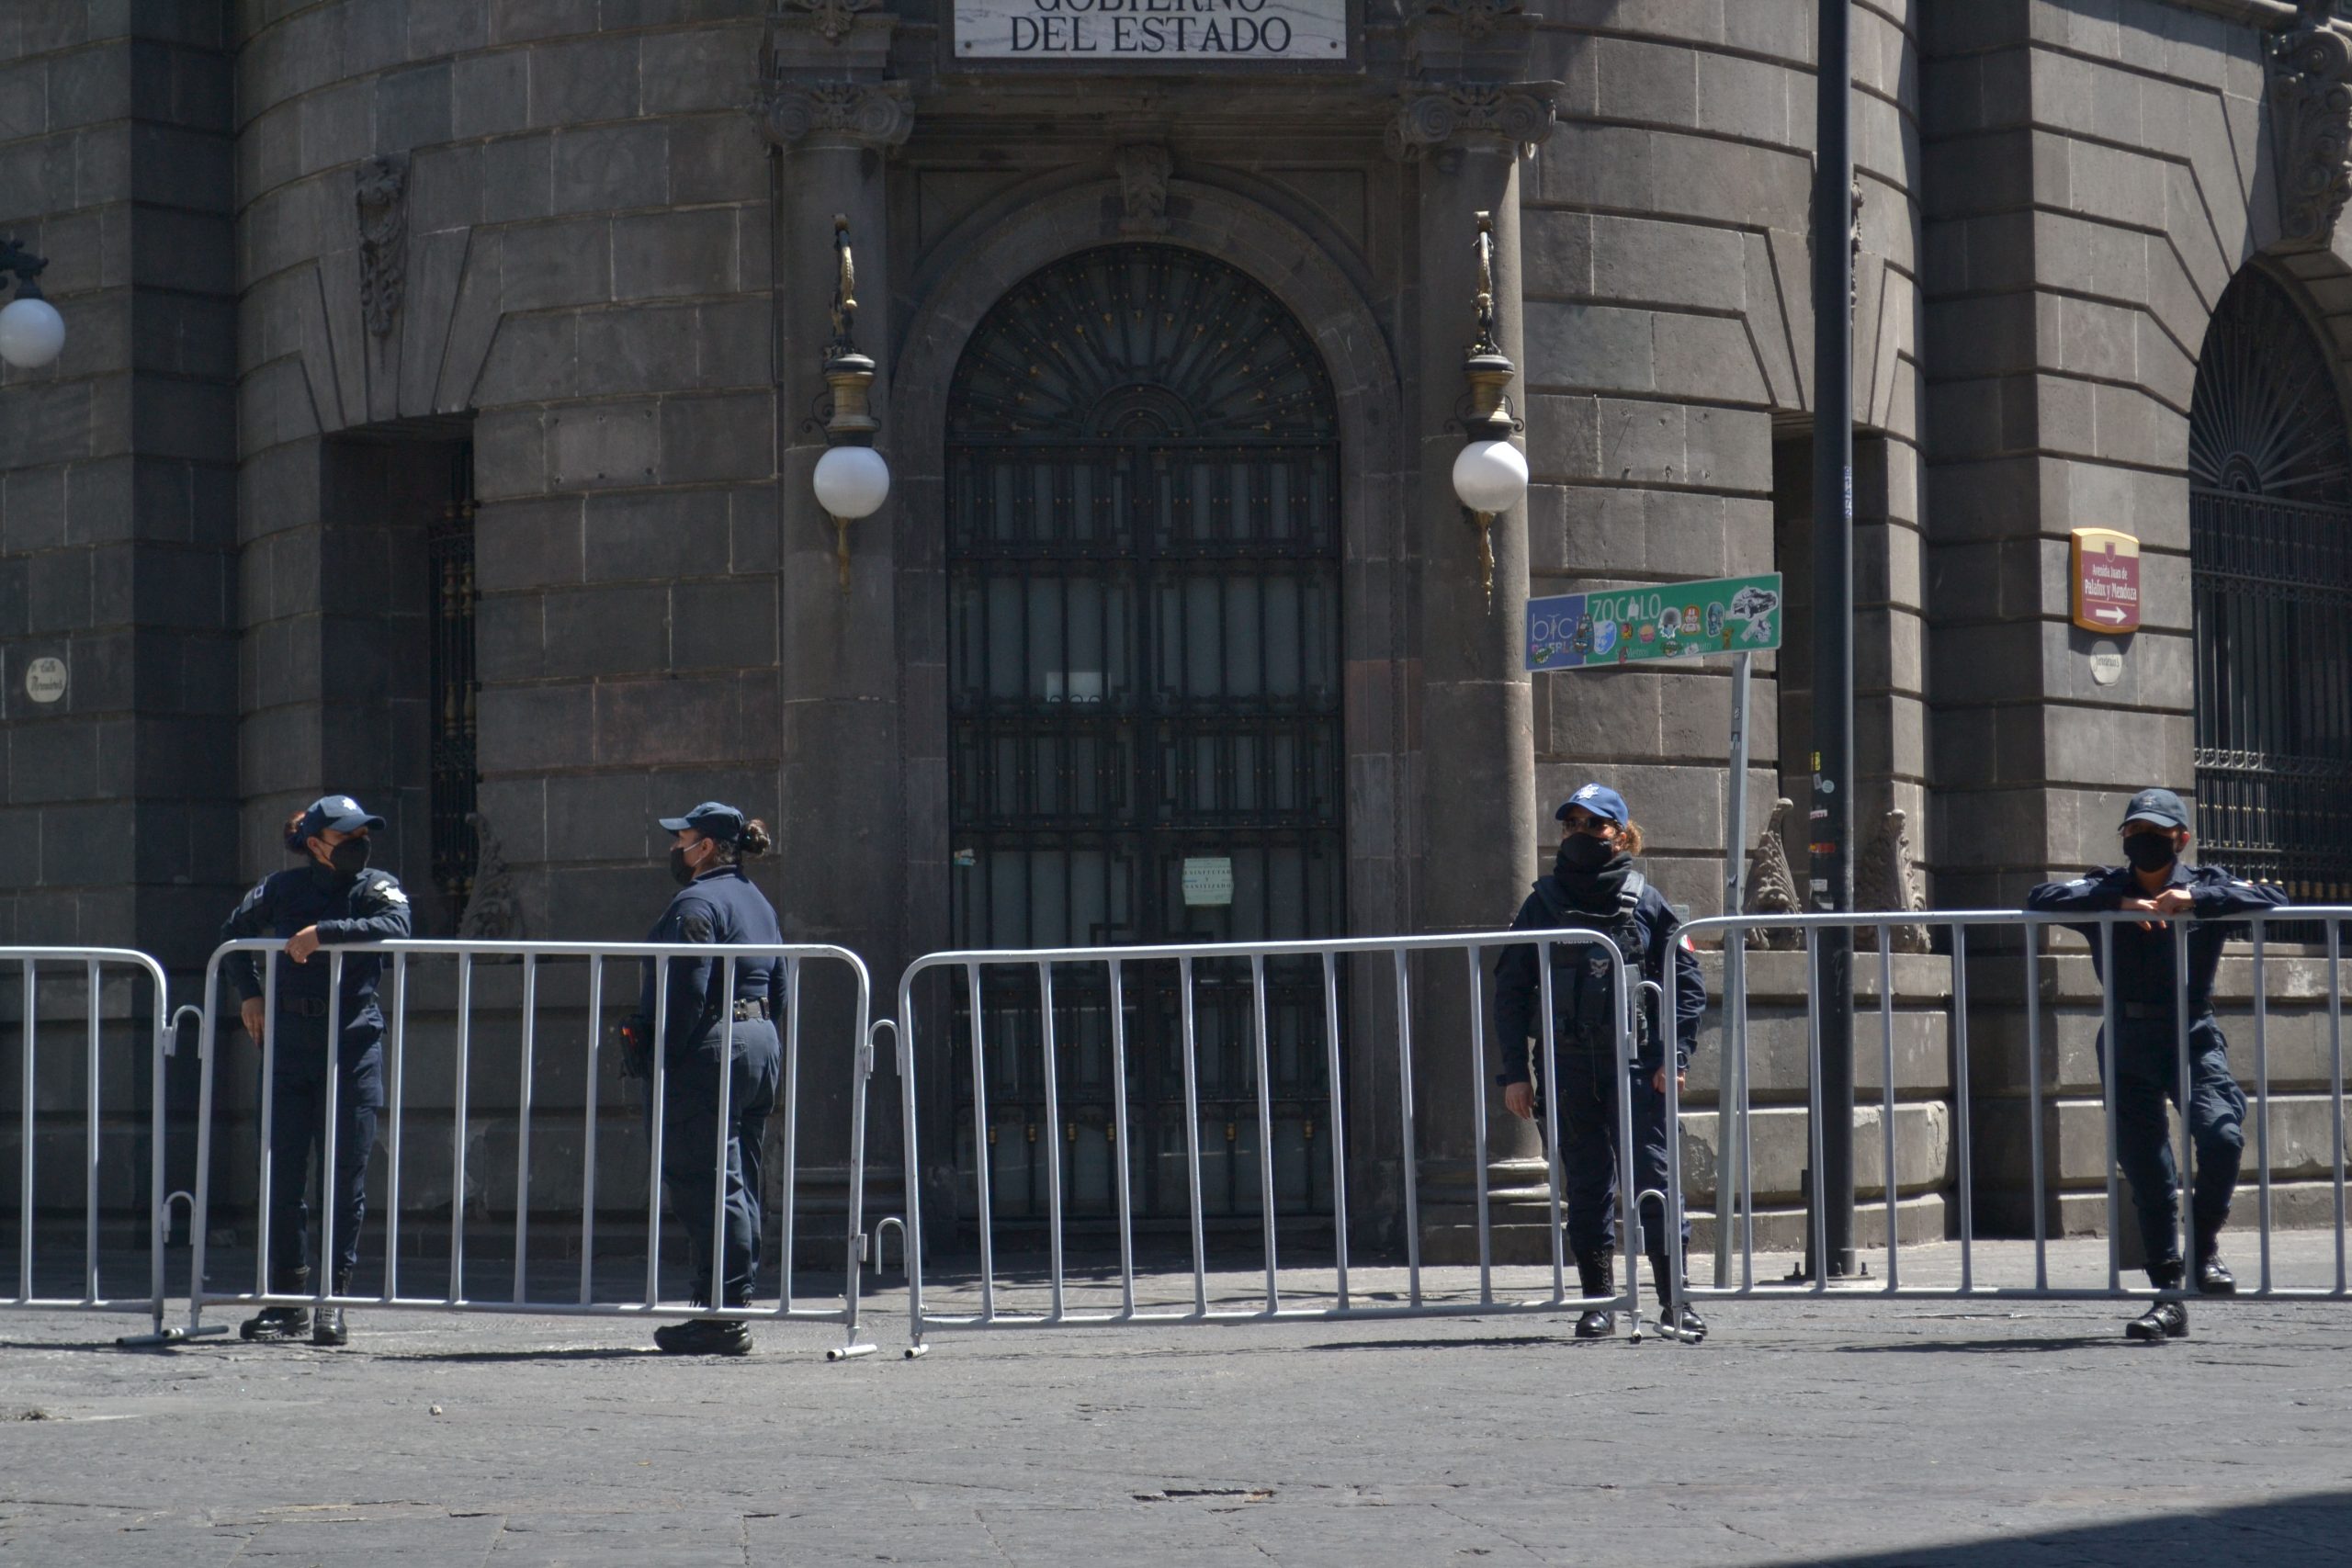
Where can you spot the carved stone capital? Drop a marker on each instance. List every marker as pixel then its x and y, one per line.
pixel 380 191
pixel 832 18
pixel 877 115
pixel 2310 103
pixel 1474 114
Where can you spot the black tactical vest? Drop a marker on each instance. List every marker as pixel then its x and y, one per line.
pixel 1585 1014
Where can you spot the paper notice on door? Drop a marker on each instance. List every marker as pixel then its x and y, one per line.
pixel 1208 879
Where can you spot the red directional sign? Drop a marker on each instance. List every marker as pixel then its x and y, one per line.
pixel 2107 580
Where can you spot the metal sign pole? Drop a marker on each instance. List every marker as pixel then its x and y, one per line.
pixel 1731 1075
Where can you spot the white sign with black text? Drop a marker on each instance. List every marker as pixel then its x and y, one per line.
pixel 1152 32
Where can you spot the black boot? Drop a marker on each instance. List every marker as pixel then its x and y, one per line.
pixel 278 1326
pixel 330 1329
pixel 1598 1274
pixel 2164 1320
pixel 705 1337
pixel 1675 1316
pixel 2214 1276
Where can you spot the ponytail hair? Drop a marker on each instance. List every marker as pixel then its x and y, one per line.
pixel 754 839
pixel 295 843
pixel 1629 837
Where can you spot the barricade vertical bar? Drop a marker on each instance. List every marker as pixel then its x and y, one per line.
pixel 1339 1125
pixel 1478 1127
pixel 1054 1143
pixel 792 1129
pixel 717 1297
pixel 982 1150
pixel 1554 1174
pixel 200 1216
pixel 159 1219
pixel 269 1112
pixel 1669 1030
pixel 523 1124
pixel 25 1143
pixel 588 1130
pixel 1820 1206
pixel 1730 1117
pixel 2188 1201
pixel 399 1096
pixel 2262 1095
pixel 1747 1128
pixel 457 1132
pixel 855 1242
pixel 2106 1096
pixel 656 1112
pixel 1265 1127
pixel 2032 945
pixel 1411 1155
pixel 329 1209
pixel 911 1243
pixel 90 1150
pixel 1629 1192
pixel 1193 1133
pixel 1965 1091
pixel 2335 1076
pixel 1122 1148
pixel 1886 1104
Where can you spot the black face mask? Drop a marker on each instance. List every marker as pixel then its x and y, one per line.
pixel 680 871
pixel 349 858
pixel 2150 851
pixel 1585 851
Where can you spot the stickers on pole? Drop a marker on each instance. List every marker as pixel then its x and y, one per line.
pixel 1673 620
pixel 2107 580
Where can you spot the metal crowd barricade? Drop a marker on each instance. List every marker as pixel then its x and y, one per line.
pixel 1738 1110
pixel 92 962
pixel 1341 1303
pixel 393 996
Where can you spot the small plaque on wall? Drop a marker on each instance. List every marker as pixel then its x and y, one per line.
pixel 2105 581
pixel 1187 34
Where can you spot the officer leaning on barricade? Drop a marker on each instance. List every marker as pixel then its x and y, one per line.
pixel 1593 887
pixel 2157 882
pixel 333 898
pixel 716 903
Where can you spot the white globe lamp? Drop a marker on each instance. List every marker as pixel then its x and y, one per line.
pixel 1490 476
pixel 31 332
pixel 852 482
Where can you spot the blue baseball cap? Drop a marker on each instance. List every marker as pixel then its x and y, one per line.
pixel 336 813
pixel 712 819
pixel 1599 800
pixel 2160 807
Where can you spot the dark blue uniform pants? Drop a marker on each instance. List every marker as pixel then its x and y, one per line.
pixel 298 1129
pixel 2147 1073
pixel 690 1151
pixel 1587 1082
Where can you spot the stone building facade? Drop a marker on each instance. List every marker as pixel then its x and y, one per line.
pixel 444 387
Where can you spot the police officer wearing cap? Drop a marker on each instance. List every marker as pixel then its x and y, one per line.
pixel 716 903
pixel 334 897
pixel 1593 887
pixel 2155 881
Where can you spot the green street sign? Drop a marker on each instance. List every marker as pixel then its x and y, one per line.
pixel 1672 620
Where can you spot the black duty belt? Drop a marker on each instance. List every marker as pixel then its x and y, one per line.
pixel 2152 1012
pixel 750 1009
pixel 307 1006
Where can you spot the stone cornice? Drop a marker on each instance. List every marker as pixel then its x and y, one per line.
pixel 877 115
pixel 1464 114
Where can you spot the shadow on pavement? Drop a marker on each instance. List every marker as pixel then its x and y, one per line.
pixel 2102 1341
pixel 2310 1529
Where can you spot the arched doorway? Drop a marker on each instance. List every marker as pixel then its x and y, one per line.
pixel 2270 548
pixel 1144 714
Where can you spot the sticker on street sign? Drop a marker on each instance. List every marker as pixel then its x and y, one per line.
pixel 1671 620
pixel 2107 580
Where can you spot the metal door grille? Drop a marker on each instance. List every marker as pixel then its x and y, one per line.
pixel 2270 548
pixel 1143 677
pixel 451 596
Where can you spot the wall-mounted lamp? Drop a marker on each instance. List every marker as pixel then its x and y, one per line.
pixel 851 481
pixel 31 332
pixel 1490 476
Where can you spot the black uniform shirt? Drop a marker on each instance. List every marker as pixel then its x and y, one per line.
pixel 2143 970
pixel 369 907
pixel 720 906
pixel 1578 996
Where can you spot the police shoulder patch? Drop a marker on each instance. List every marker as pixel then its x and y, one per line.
pixel 696 925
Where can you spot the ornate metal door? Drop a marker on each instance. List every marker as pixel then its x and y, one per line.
pixel 2270 547
pixel 1144 710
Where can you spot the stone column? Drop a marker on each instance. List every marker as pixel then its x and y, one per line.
pixel 838 835
pixel 1478 826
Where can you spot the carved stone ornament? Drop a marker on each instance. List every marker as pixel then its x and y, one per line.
pixel 879 114
pixel 493 912
pixel 1883 882
pixel 1511 114
pixel 1144 169
pixel 834 17
pixel 1771 886
pixel 1476 19
pixel 382 195
pixel 2310 64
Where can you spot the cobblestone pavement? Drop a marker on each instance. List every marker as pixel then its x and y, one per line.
pixel 1934 1435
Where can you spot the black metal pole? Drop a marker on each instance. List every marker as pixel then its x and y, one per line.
pixel 1832 872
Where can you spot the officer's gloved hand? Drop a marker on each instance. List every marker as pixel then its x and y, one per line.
pixel 633 1035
